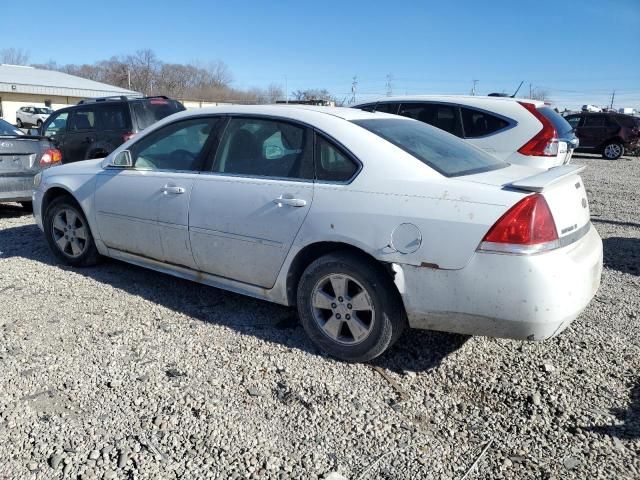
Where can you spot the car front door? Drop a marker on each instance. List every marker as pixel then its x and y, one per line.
pixel 81 135
pixel 246 212
pixel 144 210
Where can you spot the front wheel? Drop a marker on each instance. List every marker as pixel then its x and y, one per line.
pixel 613 151
pixel 68 235
pixel 349 307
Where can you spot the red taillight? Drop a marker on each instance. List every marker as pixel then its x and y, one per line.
pixel 527 227
pixel 545 142
pixel 51 156
pixel 128 136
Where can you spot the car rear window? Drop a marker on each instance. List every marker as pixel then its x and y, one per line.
pixel 561 125
pixel 628 122
pixel 150 110
pixel 7 129
pixel 441 151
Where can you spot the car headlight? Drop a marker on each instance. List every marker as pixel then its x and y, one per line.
pixel 37 179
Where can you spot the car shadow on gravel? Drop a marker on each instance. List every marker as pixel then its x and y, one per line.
pixel 630 428
pixel 8 210
pixel 622 254
pixel 417 350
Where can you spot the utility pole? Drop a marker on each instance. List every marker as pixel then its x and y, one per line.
pixel 286 90
pixel 389 85
pixel 613 95
pixel 530 91
pixel 473 89
pixel 129 77
pixel 354 85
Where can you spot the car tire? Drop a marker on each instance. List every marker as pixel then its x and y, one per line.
pixel 68 233
pixel 28 206
pixel 19 123
pixel 613 150
pixel 349 307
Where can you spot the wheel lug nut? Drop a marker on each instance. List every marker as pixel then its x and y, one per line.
pixel 333 305
pixel 347 316
pixel 340 299
pixel 349 306
pixel 338 316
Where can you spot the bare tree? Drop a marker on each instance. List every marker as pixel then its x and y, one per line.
pixel 14 56
pixel 312 94
pixel 539 94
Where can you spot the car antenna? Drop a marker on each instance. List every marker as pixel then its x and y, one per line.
pixel 517 90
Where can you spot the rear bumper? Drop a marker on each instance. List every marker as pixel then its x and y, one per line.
pixel 521 297
pixel 16 189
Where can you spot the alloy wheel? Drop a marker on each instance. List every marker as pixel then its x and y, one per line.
pixel 613 150
pixel 70 233
pixel 343 309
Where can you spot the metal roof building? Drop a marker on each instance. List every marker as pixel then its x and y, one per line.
pixel 21 86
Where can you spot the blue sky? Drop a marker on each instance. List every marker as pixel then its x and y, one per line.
pixel 576 50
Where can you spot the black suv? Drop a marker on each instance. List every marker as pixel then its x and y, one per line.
pixel 94 128
pixel 610 134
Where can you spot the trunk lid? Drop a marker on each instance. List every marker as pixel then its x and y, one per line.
pixel 19 155
pixel 561 187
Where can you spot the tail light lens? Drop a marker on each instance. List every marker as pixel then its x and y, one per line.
pixel 51 156
pixel 128 136
pixel 526 228
pixel 545 142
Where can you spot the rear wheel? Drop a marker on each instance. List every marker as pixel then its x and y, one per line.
pixel 613 151
pixel 349 307
pixel 68 235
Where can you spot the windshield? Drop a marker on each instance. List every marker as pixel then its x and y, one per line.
pixel 560 124
pixel 443 152
pixel 150 110
pixel 7 129
pixel 44 111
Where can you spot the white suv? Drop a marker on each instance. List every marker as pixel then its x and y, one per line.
pixel 34 116
pixel 519 131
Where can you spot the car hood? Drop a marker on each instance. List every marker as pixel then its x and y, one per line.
pixel 76 168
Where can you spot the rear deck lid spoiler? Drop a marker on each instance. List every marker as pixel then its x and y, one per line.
pixel 540 181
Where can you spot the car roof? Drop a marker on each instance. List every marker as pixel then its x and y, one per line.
pixel 300 112
pixel 448 99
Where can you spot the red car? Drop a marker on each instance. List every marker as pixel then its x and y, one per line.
pixel 610 134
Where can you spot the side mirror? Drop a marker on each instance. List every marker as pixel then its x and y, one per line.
pixel 33 131
pixel 122 160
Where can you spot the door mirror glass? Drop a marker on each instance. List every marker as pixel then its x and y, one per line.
pixel 122 160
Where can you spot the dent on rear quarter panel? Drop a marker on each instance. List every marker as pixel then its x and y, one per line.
pixel 449 214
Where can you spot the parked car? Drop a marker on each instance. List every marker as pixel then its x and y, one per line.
pixel 94 128
pixel 610 134
pixel 21 158
pixel 524 132
pixel 32 116
pixel 367 222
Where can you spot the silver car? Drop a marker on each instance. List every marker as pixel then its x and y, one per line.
pixel 21 158
pixel 368 222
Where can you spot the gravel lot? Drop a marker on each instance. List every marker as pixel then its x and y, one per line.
pixel 119 372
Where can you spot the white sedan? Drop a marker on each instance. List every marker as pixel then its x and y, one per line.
pixel 368 222
pixel 34 116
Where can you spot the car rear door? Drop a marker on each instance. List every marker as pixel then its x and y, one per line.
pixel 81 134
pixel 593 131
pixel 113 126
pixel 246 212
pixel 144 210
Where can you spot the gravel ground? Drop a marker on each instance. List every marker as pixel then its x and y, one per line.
pixel 119 372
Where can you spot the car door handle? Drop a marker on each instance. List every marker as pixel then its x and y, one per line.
pixel 172 189
pixel 292 202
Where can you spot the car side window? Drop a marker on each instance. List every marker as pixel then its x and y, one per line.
pixel 112 117
pixel 332 163
pixel 444 117
pixel 178 146
pixel 594 121
pixel 82 119
pixel 388 107
pixel 368 108
pixel 477 123
pixel 574 120
pixel 265 148
pixel 57 124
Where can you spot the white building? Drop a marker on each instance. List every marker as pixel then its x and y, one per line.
pixel 22 86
